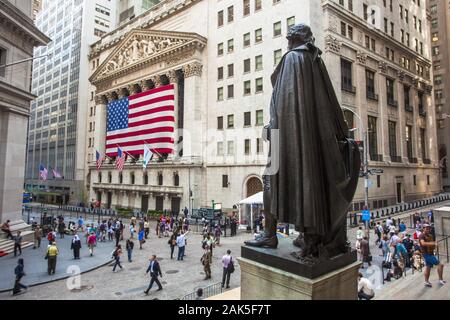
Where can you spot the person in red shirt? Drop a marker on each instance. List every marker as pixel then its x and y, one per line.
pixel 92 240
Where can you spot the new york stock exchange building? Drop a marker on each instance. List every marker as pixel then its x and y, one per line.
pixel 219 56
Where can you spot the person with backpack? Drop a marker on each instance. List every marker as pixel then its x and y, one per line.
pixel 51 256
pixel 116 255
pixel 129 247
pixel 228 268
pixel 76 246
pixel 20 273
pixel 51 237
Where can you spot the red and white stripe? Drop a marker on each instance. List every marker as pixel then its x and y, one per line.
pixel 151 121
pixel 120 162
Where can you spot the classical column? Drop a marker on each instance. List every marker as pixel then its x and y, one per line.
pixel 382 120
pixel 156 80
pixel 101 102
pixel 401 123
pixel 144 85
pixel 192 110
pixel 173 78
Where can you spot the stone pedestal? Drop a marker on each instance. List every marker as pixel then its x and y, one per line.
pixel 274 274
pixel 442 221
pixel 261 282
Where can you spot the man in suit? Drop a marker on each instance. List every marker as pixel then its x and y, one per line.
pixel 154 270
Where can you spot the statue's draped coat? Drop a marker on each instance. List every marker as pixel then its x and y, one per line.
pixel 318 164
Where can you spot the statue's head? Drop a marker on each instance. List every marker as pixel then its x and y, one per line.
pixel 299 34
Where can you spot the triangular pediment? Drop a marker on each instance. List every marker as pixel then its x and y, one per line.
pixel 143 46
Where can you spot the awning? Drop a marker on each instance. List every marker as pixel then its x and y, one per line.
pixel 254 199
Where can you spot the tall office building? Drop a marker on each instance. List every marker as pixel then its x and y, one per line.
pixel 18 38
pixel 440 36
pixel 57 125
pixel 129 9
pixel 220 56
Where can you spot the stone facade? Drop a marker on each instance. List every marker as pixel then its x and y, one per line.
pixel 18 37
pixel 57 128
pixel 221 68
pixel 439 34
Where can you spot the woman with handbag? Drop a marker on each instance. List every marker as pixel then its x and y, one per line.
pixel 228 268
pixel 172 243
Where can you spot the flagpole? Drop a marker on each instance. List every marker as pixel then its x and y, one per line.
pixel 154 150
pixel 126 152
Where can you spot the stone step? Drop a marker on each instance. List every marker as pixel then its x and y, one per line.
pixel 18 225
pixel 411 287
pixel 7 247
pixel 27 235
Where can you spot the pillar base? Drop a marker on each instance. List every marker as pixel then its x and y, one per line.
pixel 262 282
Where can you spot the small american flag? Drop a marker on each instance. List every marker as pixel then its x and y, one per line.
pixel 143 118
pixel 120 161
pixel 43 172
pixel 99 159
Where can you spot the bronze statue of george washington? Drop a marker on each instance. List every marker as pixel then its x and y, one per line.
pixel 317 165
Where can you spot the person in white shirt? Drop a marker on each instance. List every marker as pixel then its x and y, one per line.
pixel 365 288
pixel 181 243
pixel 389 222
pixel 227 261
pixel 360 234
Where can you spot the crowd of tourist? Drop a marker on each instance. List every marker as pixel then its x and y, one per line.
pixel 112 229
pixel 400 249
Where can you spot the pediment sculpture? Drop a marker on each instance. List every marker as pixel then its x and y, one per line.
pixel 137 48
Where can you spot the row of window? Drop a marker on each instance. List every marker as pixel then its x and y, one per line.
pixel 145 180
pixel 246 90
pixel 258 37
pixel 347 85
pixel 277 55
pixel 245 11
pixel 247 147
pixel 392 137
pixel 247 120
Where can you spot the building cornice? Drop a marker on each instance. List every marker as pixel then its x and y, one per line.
pixel 145 47
pixel 156 14
pixel 10 15
pixel 363 25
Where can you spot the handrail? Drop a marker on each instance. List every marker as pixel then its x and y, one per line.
pixel 445 241
pixel 209 291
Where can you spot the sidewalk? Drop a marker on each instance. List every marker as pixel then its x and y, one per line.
pixel 36 265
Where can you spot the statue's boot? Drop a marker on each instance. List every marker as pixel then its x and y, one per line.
pixel 269 237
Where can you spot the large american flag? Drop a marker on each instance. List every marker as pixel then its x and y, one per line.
pixel 143 118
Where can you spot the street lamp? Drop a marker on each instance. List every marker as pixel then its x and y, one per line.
pixel 366 171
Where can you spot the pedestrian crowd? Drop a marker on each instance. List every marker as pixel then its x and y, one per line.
pixel 89 234
pixel 401 249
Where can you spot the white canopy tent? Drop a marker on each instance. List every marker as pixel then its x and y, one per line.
pixel 255 200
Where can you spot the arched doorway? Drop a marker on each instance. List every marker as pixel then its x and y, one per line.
pixel 253 186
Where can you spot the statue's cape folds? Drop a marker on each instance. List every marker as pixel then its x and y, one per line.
pixel 318 165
